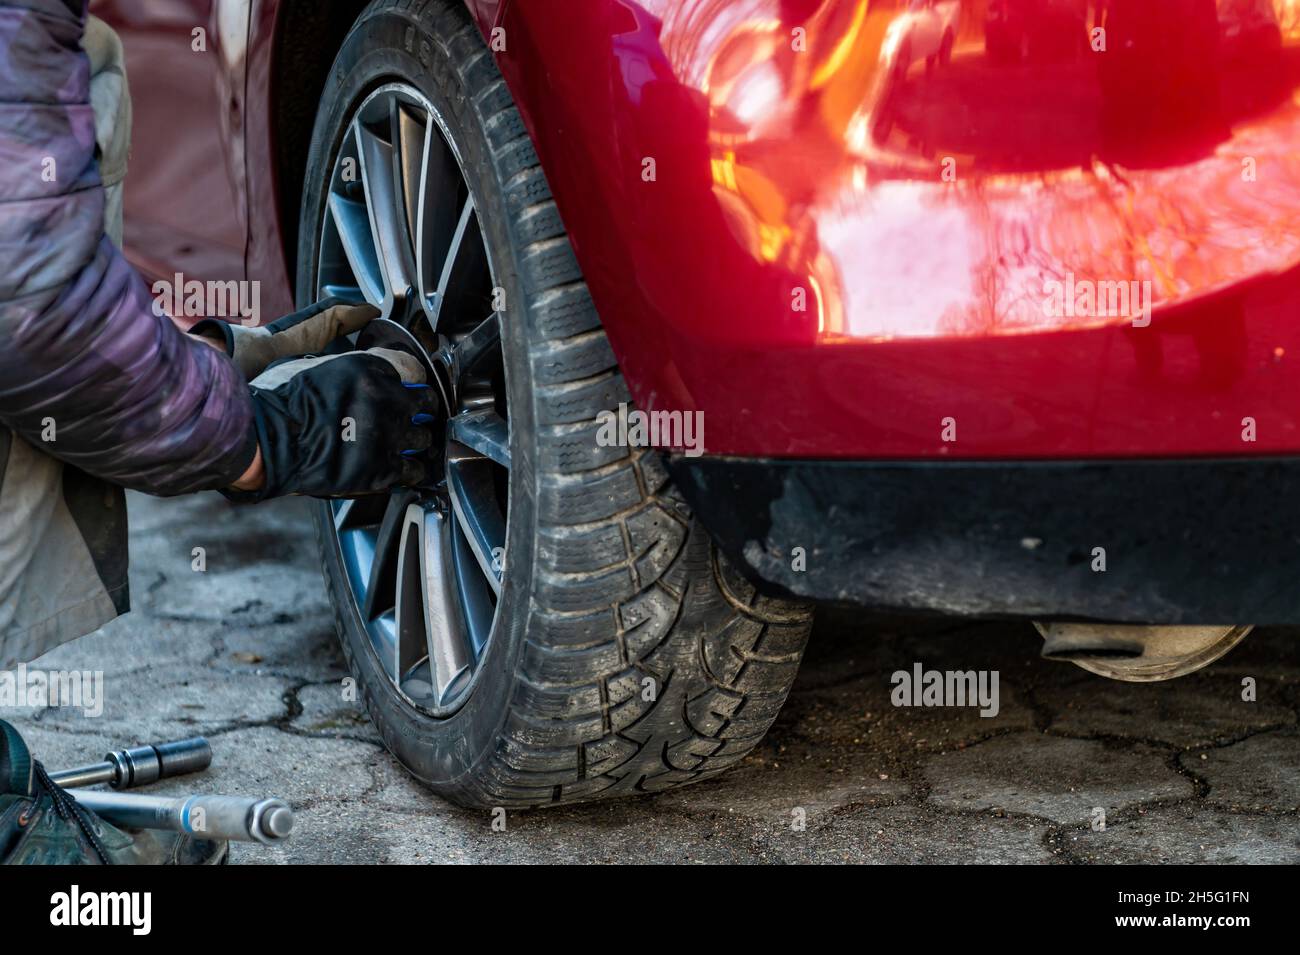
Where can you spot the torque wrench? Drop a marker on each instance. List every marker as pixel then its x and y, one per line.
pixel 242 818
pixel 139 765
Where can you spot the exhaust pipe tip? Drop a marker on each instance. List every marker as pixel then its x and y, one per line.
pixel 1137 654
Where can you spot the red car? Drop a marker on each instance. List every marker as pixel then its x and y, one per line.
pixel 1018 29
pixel 1001 338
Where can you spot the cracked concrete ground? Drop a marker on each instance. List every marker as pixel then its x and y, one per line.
pixel 245 654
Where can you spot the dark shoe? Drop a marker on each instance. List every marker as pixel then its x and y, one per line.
pixel 40 824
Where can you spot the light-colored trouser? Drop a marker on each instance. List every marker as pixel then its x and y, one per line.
pixel 50 591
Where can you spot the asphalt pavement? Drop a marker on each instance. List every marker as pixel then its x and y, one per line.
pixel 1072 769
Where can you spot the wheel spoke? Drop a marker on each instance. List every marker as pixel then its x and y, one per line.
pixel 438 216
pixel 381 587
pixel 360 512
pixel 353 226
pixel 470 350
pixel 472 487
pixel 342 514
pixel 484 431
pixel 429 622
pixel 477 595
pixel 467 290
pixel 464 225
pixel 412 135
pixel 412 629
pixel 378 175
pixel 349 293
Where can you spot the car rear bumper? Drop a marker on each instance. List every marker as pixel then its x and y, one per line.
pixel 1202 541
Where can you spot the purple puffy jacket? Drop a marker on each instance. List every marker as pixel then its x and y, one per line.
pixel 134 400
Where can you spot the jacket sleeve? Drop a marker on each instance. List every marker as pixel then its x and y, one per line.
pixel 88 371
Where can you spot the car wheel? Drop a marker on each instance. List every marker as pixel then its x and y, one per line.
pixel 544 621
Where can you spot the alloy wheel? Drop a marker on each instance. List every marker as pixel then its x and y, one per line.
pixel 425 565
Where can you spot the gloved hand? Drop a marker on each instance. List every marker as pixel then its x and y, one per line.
pixel 306 332
pixel 341 425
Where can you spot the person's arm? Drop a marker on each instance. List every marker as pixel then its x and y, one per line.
pixel 88 372
pixel 254 475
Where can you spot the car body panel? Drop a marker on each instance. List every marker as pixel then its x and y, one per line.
pixel 185 201
pixel 1019 29
pixel 925 296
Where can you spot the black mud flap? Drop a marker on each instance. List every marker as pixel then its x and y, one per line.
pixel 1134 541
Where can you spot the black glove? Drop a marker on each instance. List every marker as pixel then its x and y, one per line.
pixel 341 425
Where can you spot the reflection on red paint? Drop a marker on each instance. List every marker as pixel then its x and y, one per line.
pixel 1136 162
